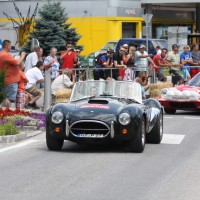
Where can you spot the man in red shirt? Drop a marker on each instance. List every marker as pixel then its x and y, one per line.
pixel 69 57
pixel 160 60
pixel 11 66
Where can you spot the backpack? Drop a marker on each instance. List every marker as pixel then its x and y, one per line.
pixel 98 60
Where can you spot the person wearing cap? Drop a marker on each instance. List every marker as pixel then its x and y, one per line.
pixel 108 62
pixel 186 60
pixel 174 59
pixel 142 59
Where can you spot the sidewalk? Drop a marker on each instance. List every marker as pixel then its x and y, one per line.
pixel 25 134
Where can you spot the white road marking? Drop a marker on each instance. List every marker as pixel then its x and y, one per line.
pixel 172 139
pixel 192 118
pixel 168 117
pixel 17 145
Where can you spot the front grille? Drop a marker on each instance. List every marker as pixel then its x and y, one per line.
pixel 187 105
pixel 89 128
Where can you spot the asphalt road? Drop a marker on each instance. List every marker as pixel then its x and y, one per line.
pixel 168 171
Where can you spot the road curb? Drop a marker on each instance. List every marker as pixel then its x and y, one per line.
pixel 25 134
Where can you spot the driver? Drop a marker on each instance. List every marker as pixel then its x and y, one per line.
pixel 93 91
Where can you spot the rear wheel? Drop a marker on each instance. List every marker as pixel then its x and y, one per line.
pixel 137 144
pixel 169 111
pixel 54 144
pixel 156 134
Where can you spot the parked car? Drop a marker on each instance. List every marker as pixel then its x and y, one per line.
pixel 14 52
pixel 183 97
pixel 88 61
pixel 109 45
pixel 104 111
pixel 152 43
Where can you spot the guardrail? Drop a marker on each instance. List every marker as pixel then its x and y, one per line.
pixel 88 74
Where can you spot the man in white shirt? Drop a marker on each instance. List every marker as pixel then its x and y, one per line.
pixel 33 58
pixel 63 81
pixel 142 59
pixel 34 75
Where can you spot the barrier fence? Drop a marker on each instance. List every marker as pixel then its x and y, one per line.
pixel 87 74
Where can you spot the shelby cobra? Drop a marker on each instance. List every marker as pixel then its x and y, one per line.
pixel 101 111
pixel 183 97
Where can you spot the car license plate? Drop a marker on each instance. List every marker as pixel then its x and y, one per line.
pixel 90 135
pixel 181 98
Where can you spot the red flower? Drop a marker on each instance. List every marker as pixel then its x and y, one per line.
pixel 9 112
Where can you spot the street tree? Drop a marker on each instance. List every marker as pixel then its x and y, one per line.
pixel 51 29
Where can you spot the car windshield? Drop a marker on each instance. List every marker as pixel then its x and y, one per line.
pixel 195 81
pixel 120 89
pixel 91 55
pixel 109 45
pixel 160 43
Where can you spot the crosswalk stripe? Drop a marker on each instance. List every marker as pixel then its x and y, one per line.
pixel 172 139
pixel 198 118
pixel 17 145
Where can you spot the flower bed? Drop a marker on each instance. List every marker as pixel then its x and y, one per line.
pixel 13 120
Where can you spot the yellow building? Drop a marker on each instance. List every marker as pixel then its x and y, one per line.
pixel 97 21
pixel 97 31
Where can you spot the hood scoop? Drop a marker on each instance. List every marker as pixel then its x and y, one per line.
pixel 98 101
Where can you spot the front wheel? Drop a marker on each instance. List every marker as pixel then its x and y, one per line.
pixel 156 134
pixel 169 111
pixel 54 144
pixel 137 144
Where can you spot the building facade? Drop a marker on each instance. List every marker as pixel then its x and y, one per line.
pixel 99 21
pixel 96 21
pixel 171 13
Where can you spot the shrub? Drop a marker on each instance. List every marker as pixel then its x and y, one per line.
pixel 8 129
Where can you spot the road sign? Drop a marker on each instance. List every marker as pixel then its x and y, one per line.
pixel 147 18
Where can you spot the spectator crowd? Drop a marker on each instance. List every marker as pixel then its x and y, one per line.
pixel 24 78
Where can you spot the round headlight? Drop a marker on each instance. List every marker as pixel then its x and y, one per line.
pixel 57 117
pixel 124 118
pixel 164 91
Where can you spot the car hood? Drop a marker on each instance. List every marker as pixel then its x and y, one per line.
pixel 99 109
pixel 182 92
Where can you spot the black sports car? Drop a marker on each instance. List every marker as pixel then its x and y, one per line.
pixel 102 111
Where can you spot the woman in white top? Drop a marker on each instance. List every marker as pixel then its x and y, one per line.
pixel 51 62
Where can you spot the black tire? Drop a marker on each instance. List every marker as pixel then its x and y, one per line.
pixel 170 111
pixel 137 144
pixel 54 144
pixel 156 134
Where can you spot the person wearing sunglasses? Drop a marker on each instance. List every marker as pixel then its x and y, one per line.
pixel 68 57
pixel 118 63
